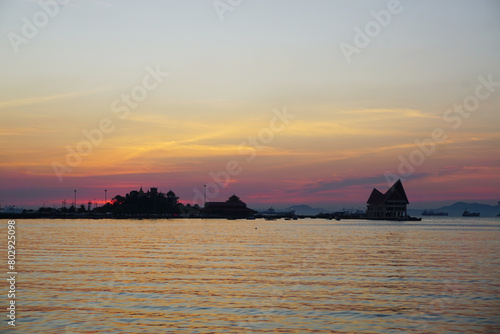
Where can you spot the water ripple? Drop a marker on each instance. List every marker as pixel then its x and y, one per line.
pixel 218 276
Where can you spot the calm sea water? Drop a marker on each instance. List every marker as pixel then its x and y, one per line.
pixel 219 276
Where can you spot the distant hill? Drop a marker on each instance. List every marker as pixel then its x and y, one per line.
pixel 458 208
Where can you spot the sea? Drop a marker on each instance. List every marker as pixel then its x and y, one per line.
pixel 440 275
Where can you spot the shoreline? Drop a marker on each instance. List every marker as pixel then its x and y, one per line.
pixel 98 216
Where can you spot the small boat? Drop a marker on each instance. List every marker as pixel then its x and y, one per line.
pixel 470 214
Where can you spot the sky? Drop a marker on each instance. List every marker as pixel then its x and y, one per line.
pixel 280 102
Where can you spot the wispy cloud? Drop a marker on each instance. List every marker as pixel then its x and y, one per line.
pixel 49 98
pixel 341 184
pixel 392 112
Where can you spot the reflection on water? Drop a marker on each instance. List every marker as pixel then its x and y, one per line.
pixel 219 276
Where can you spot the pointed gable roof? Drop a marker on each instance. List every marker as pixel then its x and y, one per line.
pixel 376 197
pixel 395 193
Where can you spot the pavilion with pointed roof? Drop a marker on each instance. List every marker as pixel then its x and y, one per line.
pixel 390 205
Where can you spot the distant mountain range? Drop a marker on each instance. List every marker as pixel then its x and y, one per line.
pixel 458 208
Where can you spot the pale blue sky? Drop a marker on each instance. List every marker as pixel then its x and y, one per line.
pixel 271 49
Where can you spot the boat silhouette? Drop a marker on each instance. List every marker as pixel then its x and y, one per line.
pixel 470 214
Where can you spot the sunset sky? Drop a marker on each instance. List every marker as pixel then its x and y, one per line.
pixel 298 101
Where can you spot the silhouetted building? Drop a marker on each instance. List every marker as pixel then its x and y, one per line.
pixel 150 202
pixel 172 200
pixel 232 208
pixel 390 205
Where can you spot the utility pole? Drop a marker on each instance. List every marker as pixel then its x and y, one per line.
pixel 75 198
pixel 204 194
pixel 105 196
